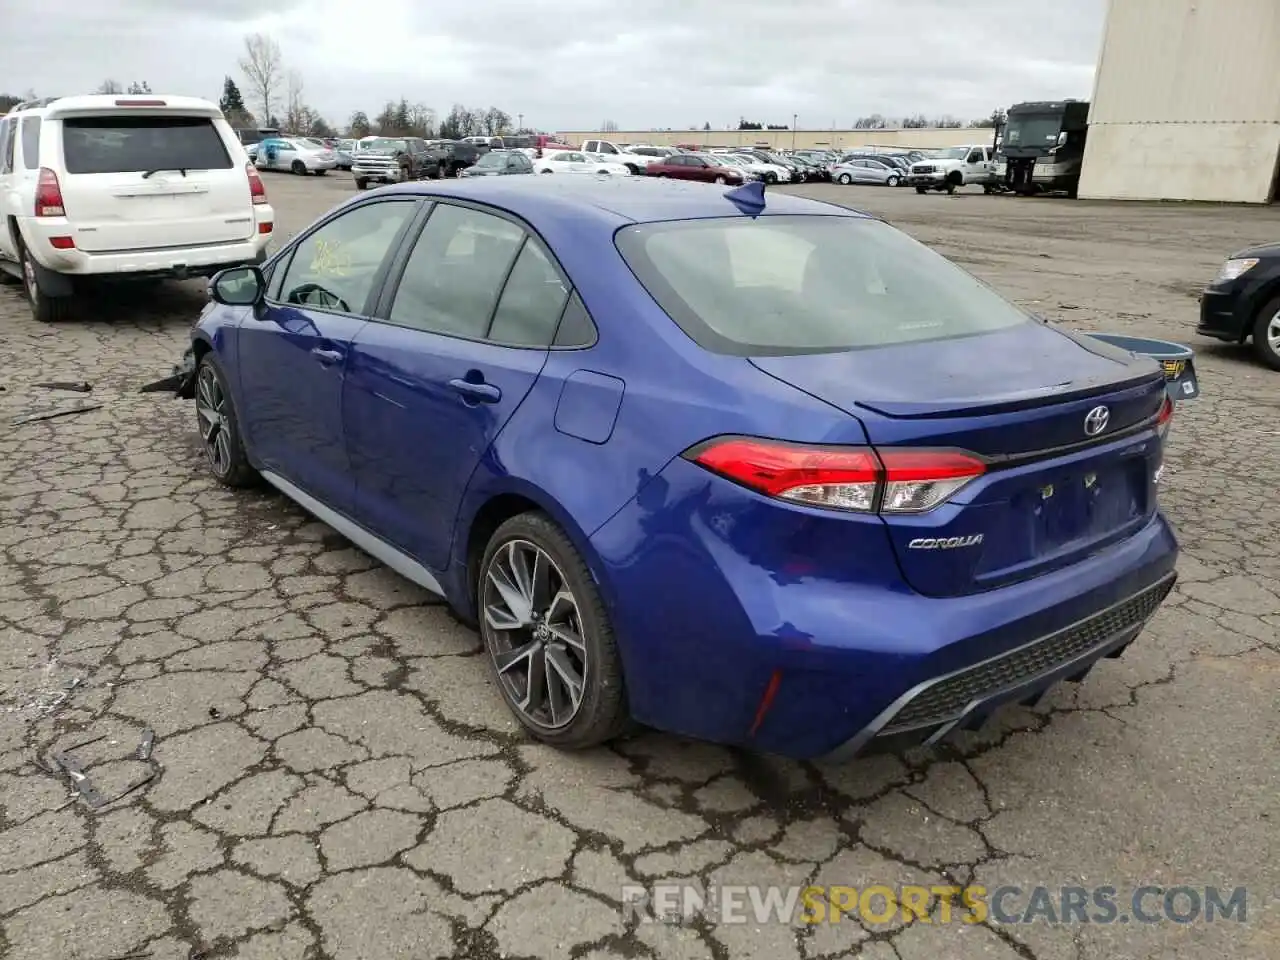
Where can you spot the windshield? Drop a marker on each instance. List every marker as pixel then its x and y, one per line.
pixel 806 284
pixel 1032 131
pixel 384 143
pixel 492 159
pixel 951 153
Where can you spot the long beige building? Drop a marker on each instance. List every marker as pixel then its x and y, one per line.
pixel 1186 102
pixel 923 139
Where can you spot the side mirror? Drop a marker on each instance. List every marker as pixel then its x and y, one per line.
pixel 238 287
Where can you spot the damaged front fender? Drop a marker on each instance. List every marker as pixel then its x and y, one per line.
pixel 182 382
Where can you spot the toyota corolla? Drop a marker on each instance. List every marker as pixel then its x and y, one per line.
pixel 758 470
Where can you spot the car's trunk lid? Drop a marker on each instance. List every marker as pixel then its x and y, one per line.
pixel 1019 398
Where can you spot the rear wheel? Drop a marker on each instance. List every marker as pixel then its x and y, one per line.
pixel 44 308
pixel 892 181
pixel 551 646
pixel 299 168
pixel 362 184
pixel 1266 334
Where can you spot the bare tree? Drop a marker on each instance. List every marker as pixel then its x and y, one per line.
pixel 422 120
pixel 262 66
pixel 297 118
pixel 110 86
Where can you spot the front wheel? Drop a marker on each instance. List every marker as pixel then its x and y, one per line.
pixel 892 181
pixel 362 184
pixel 299 168
pixel 551 647
pixel 546 171
pixel 1266 334
pixel 846 179
pixel 220 427
pixel 720 180
pixel 770 178
pixel 922 190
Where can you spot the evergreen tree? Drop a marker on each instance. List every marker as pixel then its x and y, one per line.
pixel 232 101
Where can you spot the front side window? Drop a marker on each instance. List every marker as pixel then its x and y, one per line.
pixel 31 143
pixel 334 267
pixel 455 272
pixel 136 144
pixel 807 284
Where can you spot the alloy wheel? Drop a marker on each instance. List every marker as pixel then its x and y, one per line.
pixel 1273 333
pixel 212 410
pixel 533 630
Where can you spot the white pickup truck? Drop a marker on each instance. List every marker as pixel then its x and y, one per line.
pixel 635 162
pixel 955 167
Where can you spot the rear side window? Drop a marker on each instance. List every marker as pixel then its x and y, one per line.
pixel 31 142
pixel 532 301
pixel 807 284
pixel 7 128
pixel 119 144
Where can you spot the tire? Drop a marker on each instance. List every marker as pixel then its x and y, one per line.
pixel 951 189
pixel 601 713
pixel 362 184
pixel 44 308
pixel 1266 334
pixel 892 181
pixel 988 189
pixel 720 180
pixel 321 173
pixel 298 167
pixel 635 171
pixel 770 178
pixel 219 427
pixel 439 173
pixel 922 190
pixel 546 172
pixel 845 179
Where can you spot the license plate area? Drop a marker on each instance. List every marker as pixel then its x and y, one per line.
pixel 1082 504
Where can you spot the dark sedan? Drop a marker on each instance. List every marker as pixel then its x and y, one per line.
pixel 498 163
pixel 1243 302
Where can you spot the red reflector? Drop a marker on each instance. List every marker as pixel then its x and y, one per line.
pixel 1166 411
pixel 766 701
pixel 62 243
pixel 265 227
pixel 141 103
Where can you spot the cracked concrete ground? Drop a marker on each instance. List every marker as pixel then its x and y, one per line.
pixel 339 779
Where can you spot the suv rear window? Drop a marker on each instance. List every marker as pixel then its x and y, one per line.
pixel 116 144
pixel 806 284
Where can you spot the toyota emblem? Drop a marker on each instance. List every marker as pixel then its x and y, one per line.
pixel 1095 421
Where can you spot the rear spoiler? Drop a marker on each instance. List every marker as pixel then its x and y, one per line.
pixel 146 104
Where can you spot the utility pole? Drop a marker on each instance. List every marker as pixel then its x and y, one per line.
pixel 794 117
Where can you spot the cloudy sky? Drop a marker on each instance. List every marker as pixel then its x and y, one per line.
pixel 572 64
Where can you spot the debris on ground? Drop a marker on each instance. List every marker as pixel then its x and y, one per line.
pixel 78 386
pixel 64 761
pixel 52 414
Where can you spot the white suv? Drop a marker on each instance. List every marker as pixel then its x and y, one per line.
pixel 124 187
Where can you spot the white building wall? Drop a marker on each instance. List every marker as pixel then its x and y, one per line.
pixel 1186 102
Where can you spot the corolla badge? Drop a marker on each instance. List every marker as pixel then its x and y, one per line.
pixel 1095 421
pixel 944 543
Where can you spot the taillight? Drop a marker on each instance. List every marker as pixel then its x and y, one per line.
pixel 1164 420
pixel 49 195
pixel 888 481
pixel 257 189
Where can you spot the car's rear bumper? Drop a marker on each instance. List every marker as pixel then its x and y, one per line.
pixel 196 260
pixel 738 628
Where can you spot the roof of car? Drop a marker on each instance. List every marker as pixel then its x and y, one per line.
pixel 633 199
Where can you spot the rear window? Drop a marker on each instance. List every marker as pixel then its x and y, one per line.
pixel 117 144
pixel 807 284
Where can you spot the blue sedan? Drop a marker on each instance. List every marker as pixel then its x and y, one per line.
pixel 757 470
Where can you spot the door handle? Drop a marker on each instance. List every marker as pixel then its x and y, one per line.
pixel 476 392
pixel 326 357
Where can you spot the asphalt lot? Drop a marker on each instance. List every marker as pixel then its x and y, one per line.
pixel 337 778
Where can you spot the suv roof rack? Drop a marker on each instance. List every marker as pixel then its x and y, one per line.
pixel 34 104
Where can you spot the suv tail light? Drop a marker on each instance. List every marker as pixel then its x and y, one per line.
pixel 49 195
pixel 892 480
pixel 257 189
